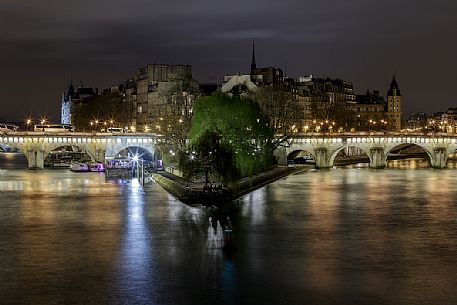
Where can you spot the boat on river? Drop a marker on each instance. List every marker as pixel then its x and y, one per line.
pixel 79 167
pixel 97 167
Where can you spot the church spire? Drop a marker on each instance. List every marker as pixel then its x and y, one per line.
pixel 71 90
pixel 394 90
pixel 253 65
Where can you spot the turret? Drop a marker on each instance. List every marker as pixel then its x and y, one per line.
pixel 394 106
pixel 253 64
pixel 393 89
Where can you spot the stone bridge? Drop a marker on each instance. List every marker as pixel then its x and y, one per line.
pixel 377 146
pixel 100 146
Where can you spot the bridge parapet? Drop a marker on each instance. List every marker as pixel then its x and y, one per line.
pixel 36 145
pixel 325 147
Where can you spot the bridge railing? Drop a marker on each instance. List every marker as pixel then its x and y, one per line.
pixel 78 133
pixel 373 134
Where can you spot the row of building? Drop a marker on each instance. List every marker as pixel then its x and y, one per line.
pixel 159 94
pixel 445 121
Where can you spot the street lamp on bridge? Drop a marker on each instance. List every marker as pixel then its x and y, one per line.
pixel 140 174
pixel 28 121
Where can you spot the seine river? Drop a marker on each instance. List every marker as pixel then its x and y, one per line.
pixel 343 236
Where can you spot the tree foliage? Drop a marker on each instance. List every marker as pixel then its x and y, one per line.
pixel 232 135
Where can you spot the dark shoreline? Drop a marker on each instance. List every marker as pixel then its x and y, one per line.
pixel 193 194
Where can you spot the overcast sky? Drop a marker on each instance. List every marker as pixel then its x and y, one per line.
pixel 44 43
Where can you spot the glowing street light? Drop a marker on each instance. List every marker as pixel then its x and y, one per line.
pixel 28 122
pixel 137 160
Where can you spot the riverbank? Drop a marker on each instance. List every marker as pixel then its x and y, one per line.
pixel 196 193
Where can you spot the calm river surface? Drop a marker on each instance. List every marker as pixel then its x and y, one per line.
pixel 342 236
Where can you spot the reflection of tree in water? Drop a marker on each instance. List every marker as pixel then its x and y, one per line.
pixel 220 232
pixel 215 234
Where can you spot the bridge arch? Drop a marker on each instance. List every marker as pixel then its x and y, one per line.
pixel 298 156
pixel 134 150
pixel 73 152
pixel 359 147
pixel 412 150
pixel 13 159
pixel 452 158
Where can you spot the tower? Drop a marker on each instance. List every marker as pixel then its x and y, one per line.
pixel 66 103
pixel 394 106
pixel 253 65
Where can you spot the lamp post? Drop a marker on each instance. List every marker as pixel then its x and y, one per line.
pixel 28 122
pixel 140 174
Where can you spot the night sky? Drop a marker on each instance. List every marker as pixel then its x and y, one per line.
pixel 44 43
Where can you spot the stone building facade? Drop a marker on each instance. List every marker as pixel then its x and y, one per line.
pixel 369 111
pixel 158 86
pixel 325 104
pixel 145 98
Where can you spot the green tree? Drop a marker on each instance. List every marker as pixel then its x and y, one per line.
pixel 233 135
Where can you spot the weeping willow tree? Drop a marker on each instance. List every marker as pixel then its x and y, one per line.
pixel 230 138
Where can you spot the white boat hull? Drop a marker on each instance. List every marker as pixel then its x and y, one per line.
pixel 79 167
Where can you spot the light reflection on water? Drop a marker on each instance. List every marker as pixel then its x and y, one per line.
pixel 343 236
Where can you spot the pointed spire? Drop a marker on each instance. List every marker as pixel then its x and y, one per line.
pixel 253 65
pixel 71 90
pixel 394 90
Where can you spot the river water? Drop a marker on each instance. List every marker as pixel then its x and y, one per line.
pixel 343 236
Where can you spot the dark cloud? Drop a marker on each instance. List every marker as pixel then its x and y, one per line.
pixel 44 43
